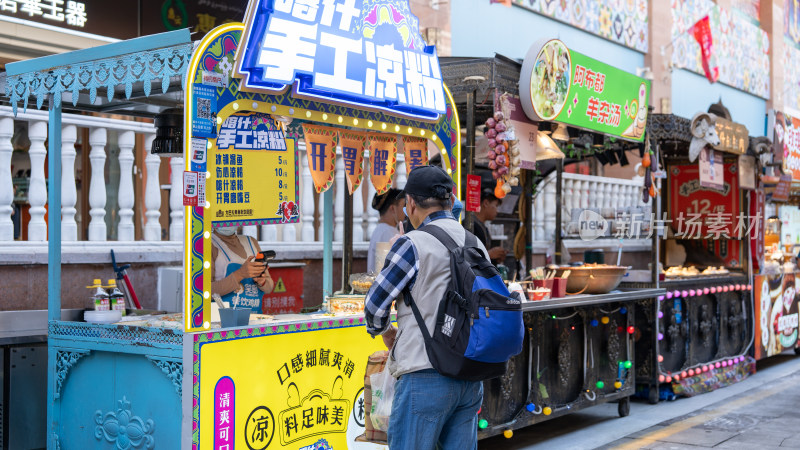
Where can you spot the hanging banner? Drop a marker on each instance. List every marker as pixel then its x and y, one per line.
pixel 702 34
pixel 747 172
pixel 473 193
pixel 321 151
pixel 383 155
pixel 561 85
pixel 353 144
pixel 776 314
pixel 415 151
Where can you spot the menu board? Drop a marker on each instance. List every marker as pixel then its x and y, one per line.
pixel 253 172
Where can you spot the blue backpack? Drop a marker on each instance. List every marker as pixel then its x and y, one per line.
pixel 479 323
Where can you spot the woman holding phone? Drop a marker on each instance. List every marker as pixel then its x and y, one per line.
pixel 236 271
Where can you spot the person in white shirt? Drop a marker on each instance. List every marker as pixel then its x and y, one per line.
pixel 390 207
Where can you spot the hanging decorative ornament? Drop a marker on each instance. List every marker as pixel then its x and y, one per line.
pixel 383 156
pixel 415 151
pixel 321 150
pixel 353 144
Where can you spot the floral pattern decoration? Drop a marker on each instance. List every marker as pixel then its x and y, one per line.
pixel 621 21
pixel 741 48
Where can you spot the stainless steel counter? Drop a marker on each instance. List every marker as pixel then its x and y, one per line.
pixel 571 301
pixel 25 327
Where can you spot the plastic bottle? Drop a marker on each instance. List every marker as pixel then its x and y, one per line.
pixel 99 299
pixel 116 297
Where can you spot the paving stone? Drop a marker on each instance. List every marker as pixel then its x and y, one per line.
pixel 699 437
pixel 753 440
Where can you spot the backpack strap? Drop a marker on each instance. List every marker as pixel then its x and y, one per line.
pixel 469 239
pixel 423 328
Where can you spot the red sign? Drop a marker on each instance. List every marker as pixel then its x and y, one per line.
pixel 757 241
pixel 702 34
pixel 287 295
pixel 781 193
pixel 473 193
pixel 776 314
pixel 709 215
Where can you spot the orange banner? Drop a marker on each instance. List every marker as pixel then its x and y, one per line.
pixel 353 144
pixel 416 152
pixel 321 151
pixel 383 155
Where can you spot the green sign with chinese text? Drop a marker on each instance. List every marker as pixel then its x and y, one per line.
pixel 561 85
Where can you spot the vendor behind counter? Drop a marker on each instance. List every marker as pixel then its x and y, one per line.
pixel 234 269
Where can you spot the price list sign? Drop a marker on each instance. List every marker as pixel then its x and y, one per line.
pixel 253 173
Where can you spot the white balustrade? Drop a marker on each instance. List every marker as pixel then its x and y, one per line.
pixel 372 215
pixel 152 193
pixel 125 200
pixel 307 197
pixel 579 191
pixel 269 233
pixel 97 187
pixel 252 231
pixel 400 171
pixel 358 214
pixel 340 190
pixel 69 195
pixel 37 190
pixel 6 183
pixel 176 200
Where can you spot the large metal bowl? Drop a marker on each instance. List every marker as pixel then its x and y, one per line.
pixel 593 280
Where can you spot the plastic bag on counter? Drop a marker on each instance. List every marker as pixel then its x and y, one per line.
pixel 382 397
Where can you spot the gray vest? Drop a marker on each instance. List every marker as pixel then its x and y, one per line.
pixel 408 354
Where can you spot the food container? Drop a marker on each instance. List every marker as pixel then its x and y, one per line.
pixel 346 304
pixel 593 278
pixel 102 317
pixel 234 317
pixel 539 294
pixel 361 282
pixel 543 284
pixel 559 288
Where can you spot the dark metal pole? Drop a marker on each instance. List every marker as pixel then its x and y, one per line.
pixel 559 172
pixel 347 245
pixel 470 154
pixel 528 205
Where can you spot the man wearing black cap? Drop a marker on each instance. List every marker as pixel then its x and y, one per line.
pixel 428 409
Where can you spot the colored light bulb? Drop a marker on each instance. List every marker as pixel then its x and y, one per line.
pixel 661 314
pixel 623 310
pixel 677 378
pixel 684 374
pixel 669 294
pixel 631 329
pixel 691 372
pixel 547 411
pixel 594 322
pixel 480 409
pixel 660 358
pixel 684 294
pixel 483 424
pixel 600 385
pixel 604 320
pixel 669 379
pixel 706 291
pixel 662 378
pixel 717 364
pixel 628 364
pixel 691 292
pixel 676 293
pixel 508 434
pixel 660 336
pixel 705 368
pixel 713 289
pixel 617 385
pixel 530 407
pixel 661 298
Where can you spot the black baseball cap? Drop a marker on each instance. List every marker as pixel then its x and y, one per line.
pixel 423 181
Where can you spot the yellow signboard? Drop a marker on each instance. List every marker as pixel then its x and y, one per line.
pixel 300 389
pixel 253 172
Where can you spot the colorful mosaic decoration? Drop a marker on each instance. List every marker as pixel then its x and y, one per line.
pixel 621 21
pixel 741 48
pixel 791 21
pixel 750 8
pixel 715 378
pixel 791 76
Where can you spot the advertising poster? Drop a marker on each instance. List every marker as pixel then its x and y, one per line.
pixel 786 139
pixel 473 193
pixel 301 389
pixel 253 172
pixel 710 215
pixel 561 85
pixel 711 169
pixel 776 313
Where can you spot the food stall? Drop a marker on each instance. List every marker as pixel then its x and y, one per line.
pixel 181 380
pixel 696 337
pixel 775 283
pixel 579 349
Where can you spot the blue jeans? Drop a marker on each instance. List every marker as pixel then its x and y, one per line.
pixel 433 411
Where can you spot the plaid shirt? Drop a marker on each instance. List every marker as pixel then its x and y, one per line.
pixel 399 272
